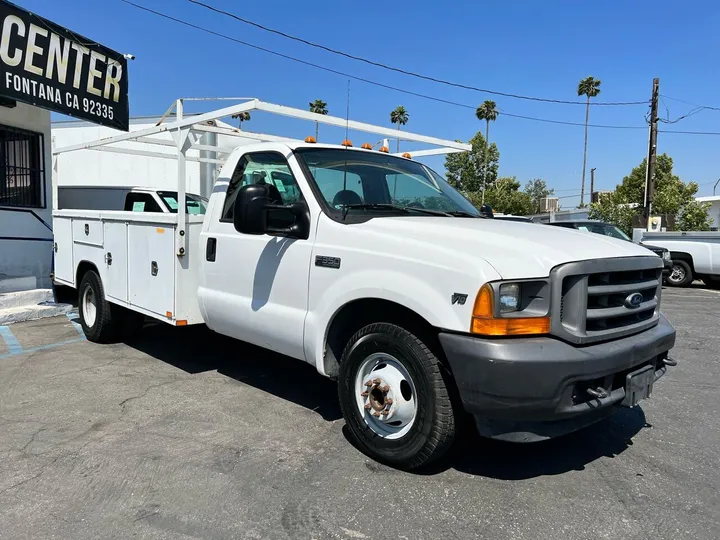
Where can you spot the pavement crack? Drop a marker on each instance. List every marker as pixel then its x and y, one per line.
pixel 32 439
pixel 125 401
pixel 33 477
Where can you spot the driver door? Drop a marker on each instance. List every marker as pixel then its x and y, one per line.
pixel 255 287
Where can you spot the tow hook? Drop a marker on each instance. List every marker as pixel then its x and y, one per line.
pixel 669 361
pixel 598 393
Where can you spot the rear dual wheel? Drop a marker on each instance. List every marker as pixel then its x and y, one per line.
pixel 394 395
pixel 102 321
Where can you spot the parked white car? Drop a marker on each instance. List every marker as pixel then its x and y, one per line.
pixel 373 269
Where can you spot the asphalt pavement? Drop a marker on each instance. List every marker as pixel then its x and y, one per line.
pixel 183 434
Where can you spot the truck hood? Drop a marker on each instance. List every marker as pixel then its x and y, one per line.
pixel 516 250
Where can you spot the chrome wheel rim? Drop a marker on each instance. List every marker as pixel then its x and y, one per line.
pixel 385 396
pixel 677 274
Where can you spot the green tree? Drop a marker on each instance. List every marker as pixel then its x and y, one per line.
pixel 488 112
pixel 537 189
pixel 399 116
pixel 672 196
pixel 241 117
pixel 611 209
pixel 505 197
pixel 318 107
pixel 466 171
pixel 694 217
pixel 590 87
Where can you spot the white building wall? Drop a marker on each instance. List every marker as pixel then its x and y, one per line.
pixel 714 210
pixel 31 258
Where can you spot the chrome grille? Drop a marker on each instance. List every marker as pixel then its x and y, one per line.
pixel 590 298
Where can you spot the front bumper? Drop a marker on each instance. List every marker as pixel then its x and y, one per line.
pixel 529 389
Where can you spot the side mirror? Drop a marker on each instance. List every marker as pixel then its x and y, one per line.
pixel 250 216
pixel 486 211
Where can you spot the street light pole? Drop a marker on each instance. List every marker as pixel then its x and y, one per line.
pixel 716 183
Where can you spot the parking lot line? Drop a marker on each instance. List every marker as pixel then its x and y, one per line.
pixel 9 338
pixel 71 317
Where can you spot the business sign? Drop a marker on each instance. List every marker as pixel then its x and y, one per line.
pixel 49 66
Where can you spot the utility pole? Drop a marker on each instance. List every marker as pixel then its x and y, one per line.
pixel 592 182
pixel 716 183
pixel 652 150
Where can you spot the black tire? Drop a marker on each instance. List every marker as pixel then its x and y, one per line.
pixel 681 274
pixel 104 328
pixel 432 433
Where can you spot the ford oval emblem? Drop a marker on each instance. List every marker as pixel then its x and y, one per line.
pixel 634 300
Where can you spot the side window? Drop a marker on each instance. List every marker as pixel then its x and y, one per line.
pixel 269 168
pixel 141 202
pixel 338 188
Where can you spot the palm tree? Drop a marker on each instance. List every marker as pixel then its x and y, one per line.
pixel 590 87
pixel 241 117
pixel 318 107
pixel 488 112
pixel 399 116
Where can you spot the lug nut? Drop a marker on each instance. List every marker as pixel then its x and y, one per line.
pixel 376 413
pixel 376 382
pixel 385 389
pixel 368 384
pixel 364 394
pixel 388 401
pixel 368 406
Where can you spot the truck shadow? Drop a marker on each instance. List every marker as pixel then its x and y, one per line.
pixel 197 349
pixel 511 461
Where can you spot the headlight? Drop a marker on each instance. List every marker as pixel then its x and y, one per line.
pixel 666 255
pixel 491 319
pixel 509 297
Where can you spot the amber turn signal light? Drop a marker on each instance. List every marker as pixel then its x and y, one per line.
pixel 485 323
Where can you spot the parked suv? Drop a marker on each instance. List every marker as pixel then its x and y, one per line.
pixel 608 229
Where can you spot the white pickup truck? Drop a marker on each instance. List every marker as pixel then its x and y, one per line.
pixel 370 267
pixel 694 254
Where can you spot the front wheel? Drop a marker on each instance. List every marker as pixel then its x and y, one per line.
pixel 394 397
pixel 680 274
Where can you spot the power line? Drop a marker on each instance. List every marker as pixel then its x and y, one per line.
pixel 581 124
pixel 404 71
pixel 368 81
pixel 689 132
pixel 691 103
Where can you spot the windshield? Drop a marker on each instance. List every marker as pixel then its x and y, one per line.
pixel 602 228
pixel 350 180
pixel 194 204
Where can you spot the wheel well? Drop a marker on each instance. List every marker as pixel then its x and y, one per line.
pixel 359 313
pixel 681 256
pixel 82 269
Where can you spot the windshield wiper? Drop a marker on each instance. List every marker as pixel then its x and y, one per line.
pixel 410 209
pixel 462 213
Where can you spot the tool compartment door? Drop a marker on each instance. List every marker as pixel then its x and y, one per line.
pixel 116 263
pixel 151 268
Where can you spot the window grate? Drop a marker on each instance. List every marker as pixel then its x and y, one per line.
pixel 22 168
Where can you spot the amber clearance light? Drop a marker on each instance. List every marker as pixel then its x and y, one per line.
pixel 485 323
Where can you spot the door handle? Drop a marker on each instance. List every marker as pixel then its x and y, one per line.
pixel 211 249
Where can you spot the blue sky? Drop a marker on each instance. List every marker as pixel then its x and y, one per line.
pixel 524 47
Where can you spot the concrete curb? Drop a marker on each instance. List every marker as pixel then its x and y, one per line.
pixel 33 312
